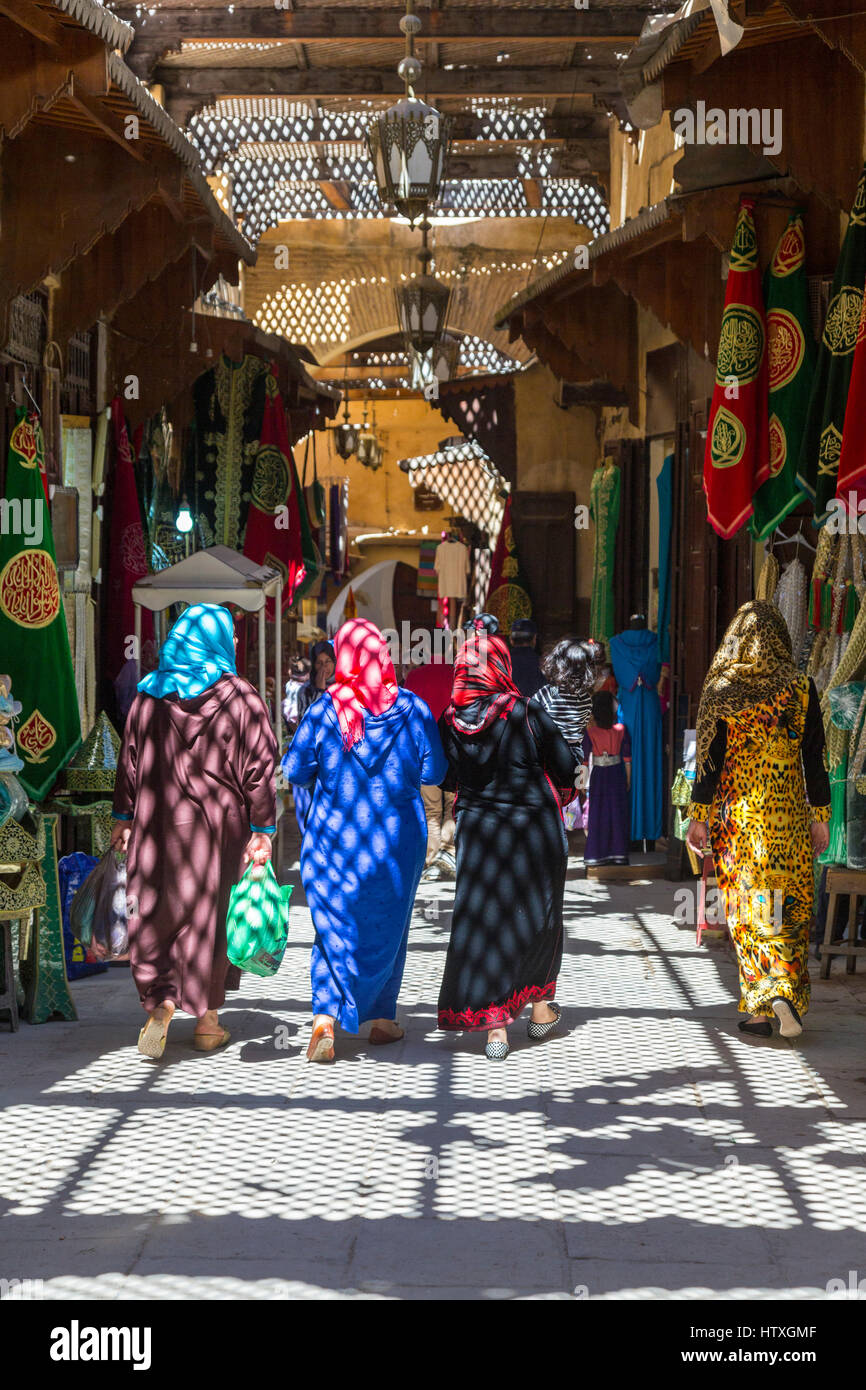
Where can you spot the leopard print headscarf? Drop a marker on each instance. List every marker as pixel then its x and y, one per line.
pixel 753 663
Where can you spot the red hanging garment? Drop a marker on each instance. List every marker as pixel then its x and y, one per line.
pixel 273 533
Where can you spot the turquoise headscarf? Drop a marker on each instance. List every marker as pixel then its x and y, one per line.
pixel 199 649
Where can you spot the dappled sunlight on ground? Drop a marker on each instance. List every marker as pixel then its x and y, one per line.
pixel 646 1150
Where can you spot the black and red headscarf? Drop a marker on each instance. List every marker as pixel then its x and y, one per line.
pixel 482 671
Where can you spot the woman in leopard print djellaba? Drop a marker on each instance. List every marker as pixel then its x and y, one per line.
pixel 762 799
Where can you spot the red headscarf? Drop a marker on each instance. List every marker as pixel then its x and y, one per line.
pixel 482 670
pixel 365 680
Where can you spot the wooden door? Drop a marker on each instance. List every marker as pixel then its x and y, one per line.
pixel 545 538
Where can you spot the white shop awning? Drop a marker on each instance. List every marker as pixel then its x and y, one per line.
pixel 217 575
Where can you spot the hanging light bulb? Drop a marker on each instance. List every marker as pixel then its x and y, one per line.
pixel 408 143
pixel 183 521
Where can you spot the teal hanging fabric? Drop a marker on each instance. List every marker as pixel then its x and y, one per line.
pixel 665 490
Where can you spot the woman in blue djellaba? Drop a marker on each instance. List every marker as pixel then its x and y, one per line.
pixel 366 747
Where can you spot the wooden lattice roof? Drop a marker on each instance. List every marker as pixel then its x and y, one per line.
pixel 278 100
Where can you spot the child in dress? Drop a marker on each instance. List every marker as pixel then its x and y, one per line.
pixel 567 698
pixel 607 831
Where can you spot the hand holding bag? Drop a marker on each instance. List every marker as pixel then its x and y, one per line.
pixel 257 925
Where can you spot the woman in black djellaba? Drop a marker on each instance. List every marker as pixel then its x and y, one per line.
pixel 506 759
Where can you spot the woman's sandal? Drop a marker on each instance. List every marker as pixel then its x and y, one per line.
pixel 321 1047
pixel 209 1042
pixel 790 1024
pixel 379 1037
pixel 151 1039
pixel 760 1028
pixel 537 1031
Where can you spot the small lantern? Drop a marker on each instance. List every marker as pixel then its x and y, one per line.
pixel 370 451
pixel 345 435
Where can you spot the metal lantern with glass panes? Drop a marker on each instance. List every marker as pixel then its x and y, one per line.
pixel 345 435
pixel 408 143
pixel 369 452
pixel 422 305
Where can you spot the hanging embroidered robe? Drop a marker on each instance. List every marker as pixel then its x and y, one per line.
pixel 604 511
pixel 273 530
pixel 791 357
pixel 822 440
pixel 736 460
pixel 34 641
pixel 229 409
pixel 127 555
pixel 508 596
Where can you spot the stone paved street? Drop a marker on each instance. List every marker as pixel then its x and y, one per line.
pixel 647 1150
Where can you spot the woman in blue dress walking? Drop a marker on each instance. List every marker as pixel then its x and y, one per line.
pixel 367 746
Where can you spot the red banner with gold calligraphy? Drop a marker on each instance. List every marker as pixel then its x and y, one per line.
pixel 737 456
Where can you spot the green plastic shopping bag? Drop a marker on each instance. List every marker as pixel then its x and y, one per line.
pixel 257 925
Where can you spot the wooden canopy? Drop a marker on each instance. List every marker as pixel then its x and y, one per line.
pixel 101 195
pixel 582 322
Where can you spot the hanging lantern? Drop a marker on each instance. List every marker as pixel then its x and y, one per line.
pixel 422 306
pixel 345 435
pixel 446 356
pixel 370 451
pixel 409 142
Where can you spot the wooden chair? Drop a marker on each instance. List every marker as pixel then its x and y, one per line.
pixel 842 881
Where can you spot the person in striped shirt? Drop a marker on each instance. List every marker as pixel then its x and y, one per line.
pixel 567 694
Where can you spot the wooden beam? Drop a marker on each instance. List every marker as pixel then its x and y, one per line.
pixel 533 194
pixel 337 194
pixel 35 77
pixel 324 24
pixel 41 25
pixel 116 268
pixel 89 191
pixel 106 120
pixel 587 159
pixel 210 84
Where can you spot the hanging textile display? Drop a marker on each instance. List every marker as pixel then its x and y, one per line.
pixel 634 655
pixel 273 529
pixel 736 460
pixel 428 585
pixel 664 489
pixel 33 636
pixel 229 404
pixel 604 511
pixel 818 469
pixel 159 482
pixel 338 530
pixel 791 363
pixel 127 560
pixel 844 719
pixel 790 599
pixel 508 597
pixel 314 569
pixel 765 585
